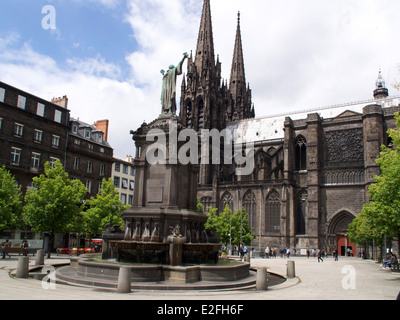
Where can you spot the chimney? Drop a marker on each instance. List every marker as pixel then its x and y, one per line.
pixel 62 102
pixel 102 125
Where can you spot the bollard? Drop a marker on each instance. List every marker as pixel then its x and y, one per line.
pixel 290 269
pixel 262 279
pixel 23 268
pixel 39 258
pixel 124 280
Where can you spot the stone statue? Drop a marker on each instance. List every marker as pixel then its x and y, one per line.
pixel 168 99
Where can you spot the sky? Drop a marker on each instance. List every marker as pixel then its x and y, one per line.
pixel 106 55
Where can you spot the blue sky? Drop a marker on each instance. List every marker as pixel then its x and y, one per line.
pixel 106 55
pixel 84 29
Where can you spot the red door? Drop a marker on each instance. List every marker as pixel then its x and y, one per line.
pixel 342 249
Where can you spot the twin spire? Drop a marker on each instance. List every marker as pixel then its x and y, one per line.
pixel 205 42
pixel 238 79
pixel 205 57
pixel 206 100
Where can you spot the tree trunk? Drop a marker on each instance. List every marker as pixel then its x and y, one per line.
pixel 50 247
pixel 398 245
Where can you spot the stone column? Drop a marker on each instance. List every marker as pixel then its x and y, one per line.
pixel 23 267
pixel 290 269
pixel 124 280
pixel 39 258
pixel 175 251
pixel 313 167
pixel 262 279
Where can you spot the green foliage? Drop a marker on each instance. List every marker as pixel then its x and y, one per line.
pixel 53 205
pixel 382 215
pixel 199 206
pixel 10 201
pixel 104 209
pixel 226 223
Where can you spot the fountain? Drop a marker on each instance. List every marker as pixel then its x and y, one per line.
pixel 164 241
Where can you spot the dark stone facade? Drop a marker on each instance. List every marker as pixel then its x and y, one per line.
pixel 312 169
pixel 308 205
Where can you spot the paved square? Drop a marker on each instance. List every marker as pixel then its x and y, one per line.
pixel 346 279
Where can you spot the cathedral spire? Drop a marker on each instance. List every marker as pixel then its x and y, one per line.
pixel 240 90
pixel 205 43
pixel 238 79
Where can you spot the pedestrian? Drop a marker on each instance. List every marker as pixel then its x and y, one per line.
pixel 320 255
pixel 224 255
pixel 6 244
pixel 308 253
pixel 25 246
pixel 335 255
pixel 288 253
pixel 313 252
pixel 266 252
pixel 275 252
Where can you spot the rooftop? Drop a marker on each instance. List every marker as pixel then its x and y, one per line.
pixel 271 127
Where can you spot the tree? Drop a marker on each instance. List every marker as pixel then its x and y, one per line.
pixel 383 212
pixel 104 209
pixel 54 203
pixel 10 201
pixel 231 228
pixel 199 206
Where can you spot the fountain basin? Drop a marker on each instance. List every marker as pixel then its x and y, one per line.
pixel 87 267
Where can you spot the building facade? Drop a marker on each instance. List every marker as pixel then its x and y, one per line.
pixel 32 132
pixel 89 155
pixel 123 173
pixel 312 169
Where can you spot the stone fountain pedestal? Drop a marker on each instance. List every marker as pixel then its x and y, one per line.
pixel 163 226
pixel 164 243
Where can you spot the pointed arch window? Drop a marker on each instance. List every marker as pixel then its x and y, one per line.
pixel 301 210
pixel 273 213
pixel 227 199
pixel 250 205
pixel 189 120
pixel 206 202
pixel 200 123
pixel 301 153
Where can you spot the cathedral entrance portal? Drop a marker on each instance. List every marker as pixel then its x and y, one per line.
pixel 337 230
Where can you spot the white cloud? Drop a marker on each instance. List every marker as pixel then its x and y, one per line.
pixel 95 66
pixel 298 55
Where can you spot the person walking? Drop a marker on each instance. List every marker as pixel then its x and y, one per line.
pixel 267 253
pixel 335 255
pixel 6 244
pixel 320 255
